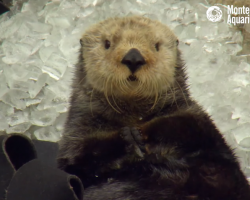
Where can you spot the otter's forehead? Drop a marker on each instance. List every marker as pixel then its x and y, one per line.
pixel 130 28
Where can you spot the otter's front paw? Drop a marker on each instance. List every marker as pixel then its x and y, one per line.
pixel 138 138
pixel 126 134
pixel 133 137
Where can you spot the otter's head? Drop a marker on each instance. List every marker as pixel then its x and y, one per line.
pixel 130 57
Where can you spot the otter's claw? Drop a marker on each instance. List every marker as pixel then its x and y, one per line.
pixel 126 135
pixel 137 135
pixel 138 138
pixel 133 136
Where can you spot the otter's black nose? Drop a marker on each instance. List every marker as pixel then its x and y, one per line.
pixel 133 59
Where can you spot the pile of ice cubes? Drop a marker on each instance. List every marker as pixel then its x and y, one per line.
pixel 39 47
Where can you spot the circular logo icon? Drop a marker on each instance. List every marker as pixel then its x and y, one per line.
pixel 214 14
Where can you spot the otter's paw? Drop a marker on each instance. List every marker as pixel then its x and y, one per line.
pixel 126 135
pixel 134 138
pixel 138 138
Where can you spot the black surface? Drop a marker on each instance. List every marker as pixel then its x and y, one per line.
pixel 37 181
pixel 6 170
pixel 3 8
pixel 46 152
pixel 15 151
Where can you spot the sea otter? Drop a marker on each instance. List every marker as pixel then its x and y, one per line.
pixel 133 131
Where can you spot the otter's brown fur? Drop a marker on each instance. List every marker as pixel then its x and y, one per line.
pixel 146 133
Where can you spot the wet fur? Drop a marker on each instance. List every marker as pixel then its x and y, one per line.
pixel 176 153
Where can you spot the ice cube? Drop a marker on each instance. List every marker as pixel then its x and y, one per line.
pixel 223 118
pixel 5 109
pixel 3 85
pixel 46 102
pixel 39 27
pixel 61 22
pixel 240 79
pixel 35 88
pixel 34 71
pixel 18 117
pixel 50 9
pixel 15 52
pixel 35 101
pixel 45 52
pixel 3 122
pixel 69 46
pixel 36 6
pixel 68 8
pixel 20 85
pixel 62 91
pixel 54 38
pixel 245 143
pixel 10 26
pixel 241 133
pixel 47 134
pixel 85 3
pixel 10 52
pixel 120 6
pixel 60 121
pixel 15 98
pixel 20 128
pixel 43 117
pixel 16 72
pixel 55 66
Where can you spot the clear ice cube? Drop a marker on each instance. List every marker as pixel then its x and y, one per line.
pixel 43 117
pixel 55 66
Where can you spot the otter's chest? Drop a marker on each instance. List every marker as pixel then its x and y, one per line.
pixel 135 114
pixel 134 119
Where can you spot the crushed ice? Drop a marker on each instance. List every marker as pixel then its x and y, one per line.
pixel 39 44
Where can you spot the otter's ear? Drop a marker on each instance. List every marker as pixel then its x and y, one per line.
pixel 177 42
pixel 81 42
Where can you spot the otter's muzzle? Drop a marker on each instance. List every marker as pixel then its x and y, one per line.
pixel 133 60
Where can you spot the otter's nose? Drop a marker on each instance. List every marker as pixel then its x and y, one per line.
pixel 133 59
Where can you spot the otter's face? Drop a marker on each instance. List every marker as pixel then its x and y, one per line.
pixel 130 57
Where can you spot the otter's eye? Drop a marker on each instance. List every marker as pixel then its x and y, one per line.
pixel 157 46
pixel 107 44
pixel 177 42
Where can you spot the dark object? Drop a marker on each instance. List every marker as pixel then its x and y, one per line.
pixel 37 181
pixel 133 60
pixel 46 152
pixel 23 176
pixel 3 8
pixel 15 151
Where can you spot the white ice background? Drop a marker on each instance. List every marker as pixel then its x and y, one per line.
pixel 39 44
